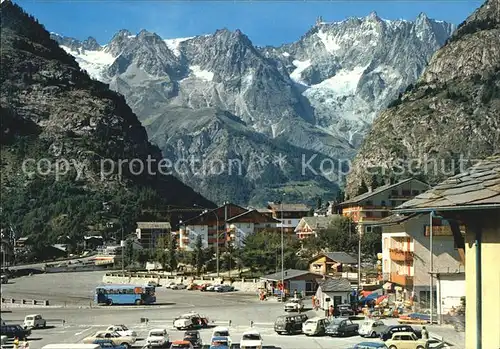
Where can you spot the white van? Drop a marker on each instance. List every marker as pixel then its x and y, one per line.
pixel 72 346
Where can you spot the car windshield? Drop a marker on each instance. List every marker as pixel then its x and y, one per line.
pixel 221 334
pixel 367 323
pixel 157 333
pixel 336 321
pixel 29 318
pixel 251 337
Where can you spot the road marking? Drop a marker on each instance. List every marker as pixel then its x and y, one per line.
pixel 79 333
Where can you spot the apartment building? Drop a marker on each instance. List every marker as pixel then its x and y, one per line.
pixel 289 215
pixel 223 223
pixel 249 222
pixel 376 204
pixel 148 233
pixel 406 258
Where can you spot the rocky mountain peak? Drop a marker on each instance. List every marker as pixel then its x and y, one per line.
pixel 91 44
pixel 448 119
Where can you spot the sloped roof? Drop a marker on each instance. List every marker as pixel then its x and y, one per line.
pixel 289 274
pixel 320 222
pixel 262 217
pixel 288 207
pixel 376 191
pixel 341 257
pixel 477 187
pixel 394 219
pixel 335 285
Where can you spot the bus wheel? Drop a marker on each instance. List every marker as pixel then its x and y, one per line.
pixel 138 302
pixel 110 302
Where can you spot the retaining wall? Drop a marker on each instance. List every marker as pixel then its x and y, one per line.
pixel 243 285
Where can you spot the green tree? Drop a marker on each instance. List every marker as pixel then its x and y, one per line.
pixel 198 255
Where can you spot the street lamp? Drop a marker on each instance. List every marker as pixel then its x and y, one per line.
pixel 216 237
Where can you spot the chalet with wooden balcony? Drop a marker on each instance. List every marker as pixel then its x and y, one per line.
pixel 376 204
pixel 311 226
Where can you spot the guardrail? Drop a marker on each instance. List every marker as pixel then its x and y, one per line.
pixel 44 302
pixel 147 275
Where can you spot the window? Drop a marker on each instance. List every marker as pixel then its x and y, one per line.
pixel 385 214
pixel 383 203
pixel 415 192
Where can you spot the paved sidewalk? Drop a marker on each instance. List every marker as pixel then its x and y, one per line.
pixel 454 339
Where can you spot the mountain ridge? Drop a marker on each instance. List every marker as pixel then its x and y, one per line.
pixel 64 136
pixel 448 120
pixel 309 93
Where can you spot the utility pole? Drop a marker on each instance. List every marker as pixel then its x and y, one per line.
pixel 431 267
pixel 360 227
pixel 282 252
pixel 123 251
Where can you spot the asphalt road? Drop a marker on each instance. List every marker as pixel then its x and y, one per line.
pixel 75 290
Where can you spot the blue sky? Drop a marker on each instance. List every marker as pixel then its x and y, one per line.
pixel 264 22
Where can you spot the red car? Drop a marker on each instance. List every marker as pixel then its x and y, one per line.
pixel 204 287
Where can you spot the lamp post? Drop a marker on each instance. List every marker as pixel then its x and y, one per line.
pixel 360 232
pixel 216 237
pixel 282 252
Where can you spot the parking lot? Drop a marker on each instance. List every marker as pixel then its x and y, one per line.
pixel 235 310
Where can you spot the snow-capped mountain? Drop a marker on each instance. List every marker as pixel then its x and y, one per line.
pixel 319 94
pixel 352 69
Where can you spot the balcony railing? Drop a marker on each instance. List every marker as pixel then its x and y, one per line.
pixel 403 280
pixel 399 255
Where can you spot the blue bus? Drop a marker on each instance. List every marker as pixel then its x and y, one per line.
pixel 124 294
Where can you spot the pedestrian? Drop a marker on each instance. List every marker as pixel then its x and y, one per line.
pixel 16 343
pixel 425 334
pixel 330 311
pixel 314 302
pixel 295 293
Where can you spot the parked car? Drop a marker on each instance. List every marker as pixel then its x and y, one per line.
pixel 315 326
pixel 5 279
pixel 220 341
pixel 194 337
pixel 13 331
pixel 122 330
pixel 370 345
pixel 204 287
pixel 343 310
pixel 190 321
pixel 250 340
pixel 294 304
pixel 179 286
pixel 181 345
pixel 3 340
pixel 289 324
pixel 115 337
pixel 211 288
pixel 341 326
pixel 108 344
pixel 157 337
pixel 34 321
pixel 406 340
pixel 153 284
pixel 387 334
pixel 222 332
pixel 170 284
pixel 372 328
pixel 223 288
